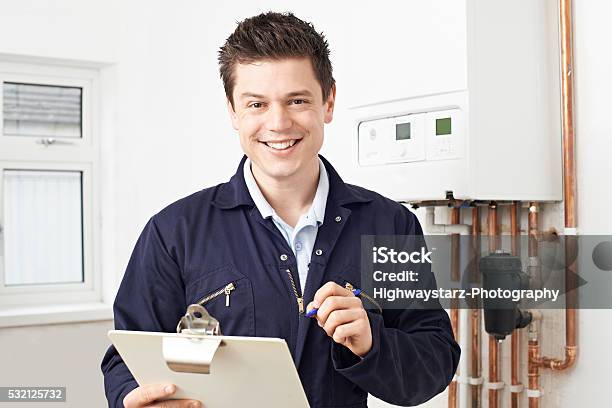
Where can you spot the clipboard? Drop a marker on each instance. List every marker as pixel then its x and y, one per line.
pixel 220 371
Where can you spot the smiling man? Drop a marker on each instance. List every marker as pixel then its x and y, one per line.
pixel 279 109
pixel 281 238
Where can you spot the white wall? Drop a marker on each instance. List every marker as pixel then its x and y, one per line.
pixel 58 355
pixel 168 135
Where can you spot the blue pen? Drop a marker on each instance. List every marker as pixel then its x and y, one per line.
pixel 313 311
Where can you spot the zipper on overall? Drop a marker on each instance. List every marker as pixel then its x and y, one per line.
pixel 298 296
pixel 350 286
pixel 227 290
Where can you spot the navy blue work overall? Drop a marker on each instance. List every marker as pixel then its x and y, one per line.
pixel 215 237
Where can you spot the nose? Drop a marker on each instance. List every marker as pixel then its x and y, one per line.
pixel 278 118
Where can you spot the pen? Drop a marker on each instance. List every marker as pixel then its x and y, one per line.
pixel 313 311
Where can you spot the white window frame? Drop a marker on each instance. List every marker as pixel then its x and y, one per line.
pixel 61 302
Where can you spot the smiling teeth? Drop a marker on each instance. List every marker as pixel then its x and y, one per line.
pixel 281 145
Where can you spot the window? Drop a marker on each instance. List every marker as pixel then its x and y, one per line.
pixel 43 228
pixel 49 183
pixel 42 110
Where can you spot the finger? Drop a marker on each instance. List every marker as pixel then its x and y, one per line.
pixel 343 332
pixel 329 289
pixel 310 306
pixel 342 317
pixel 181 403
pixel 336 303
pixel 148 393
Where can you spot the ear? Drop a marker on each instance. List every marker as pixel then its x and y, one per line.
pixel 233 116
pixel 329 104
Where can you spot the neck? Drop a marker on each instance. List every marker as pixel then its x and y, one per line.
pixel 291 196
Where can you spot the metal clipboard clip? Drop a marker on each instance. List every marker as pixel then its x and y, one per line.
pixel 197 320
pixel 193 353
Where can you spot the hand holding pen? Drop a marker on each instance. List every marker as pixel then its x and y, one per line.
pixel 314 310
pixel 339 311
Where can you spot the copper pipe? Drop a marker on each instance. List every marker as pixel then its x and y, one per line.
pixel 452 387
pixel 534 370
pixel 475 243
pixel 569 186
pixel 515 227
pixel 493 228
pixel 475 370
pixel 454 311
pixel 532 250
pixel 515 222
pixel 493 374
pixel 569 202
pixel 534 347
pixel 455 253
pixel 515 344
pixel 454 318
pixel 567 103
pixel 455 215
pixel 493 355
pixel 452 394
pixel 533 228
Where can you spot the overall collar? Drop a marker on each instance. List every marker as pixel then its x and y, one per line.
pixel 235 193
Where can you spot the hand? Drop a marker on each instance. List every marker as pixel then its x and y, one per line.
pixel 342 316
pixel 147 396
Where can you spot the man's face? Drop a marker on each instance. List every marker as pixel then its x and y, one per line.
pixel 279 114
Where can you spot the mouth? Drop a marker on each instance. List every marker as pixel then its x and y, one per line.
pixel 282 145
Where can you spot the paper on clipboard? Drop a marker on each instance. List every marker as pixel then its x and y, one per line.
pixel 242 371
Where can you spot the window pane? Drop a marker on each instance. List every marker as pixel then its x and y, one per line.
pixel 41 110
pixel 43 234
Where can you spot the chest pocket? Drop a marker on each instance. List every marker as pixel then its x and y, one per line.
pixel 228 296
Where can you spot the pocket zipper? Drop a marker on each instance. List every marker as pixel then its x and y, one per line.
pixel 350 287
pixel 227 289
pixel 300 299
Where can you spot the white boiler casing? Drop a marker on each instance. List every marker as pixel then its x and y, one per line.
pixel 492 133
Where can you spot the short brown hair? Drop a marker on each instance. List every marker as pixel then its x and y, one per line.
pixel 275 36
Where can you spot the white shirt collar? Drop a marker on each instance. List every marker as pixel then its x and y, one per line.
pixel 318 203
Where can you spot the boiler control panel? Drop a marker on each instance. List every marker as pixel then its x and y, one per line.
pixel 435 135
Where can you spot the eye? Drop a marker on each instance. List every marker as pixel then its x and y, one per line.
pixel 255 105
pixel 298 101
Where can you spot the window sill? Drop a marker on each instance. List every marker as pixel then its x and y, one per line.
pixel 55 314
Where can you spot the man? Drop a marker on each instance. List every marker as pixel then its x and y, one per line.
pixel 282 237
